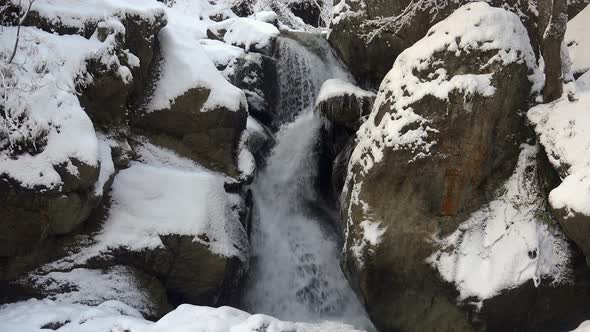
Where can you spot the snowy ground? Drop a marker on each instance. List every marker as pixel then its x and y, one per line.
pixel 114 316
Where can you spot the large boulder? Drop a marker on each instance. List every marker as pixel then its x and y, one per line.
pixel 53 168
pixel 194 110
pixel 370 34
pixel 121 80
pixel 344 106
pixel 443 135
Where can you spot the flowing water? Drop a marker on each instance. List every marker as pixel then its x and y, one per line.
pixel 295 272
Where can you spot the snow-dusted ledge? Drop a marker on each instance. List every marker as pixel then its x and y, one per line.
pixel 336 87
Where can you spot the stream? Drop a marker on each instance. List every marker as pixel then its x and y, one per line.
pixel 295 273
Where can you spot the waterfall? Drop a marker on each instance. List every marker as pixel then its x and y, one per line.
pixel 304 62
pixel 295 272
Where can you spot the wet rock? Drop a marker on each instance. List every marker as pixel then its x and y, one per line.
pixel 247 73
pixel 345 107
pixel 344 104
pixel 308 11
pixel 242 8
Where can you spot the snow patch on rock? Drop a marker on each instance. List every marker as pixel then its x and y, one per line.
pixel 186 65
pixel 76 14
pixel 93 287
pixel 150 201
pixel 246 32
pixel 506 243
pixel 336 87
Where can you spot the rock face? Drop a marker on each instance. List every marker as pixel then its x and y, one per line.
pixel 30 216
pixel 369 45
pixel 248 73
pixel 307 10
pixel 210 138
pixel 108 98
pixel 444 133
pixel 344 106
pixel 188 270
pixel 106 67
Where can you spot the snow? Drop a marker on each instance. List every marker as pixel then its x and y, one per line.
pixel 221 53
pixel 505 243
pixel 246 161
pixel 188 318
pixel 576 37
pixel 337 87
pixel 93 287
pixel 114 316
pixel 32 315
pixel 584 327
pixel 475 26
pixel 246 32
pixel 156 156
pixel 42 91
pixel 266 16
pixel 107 167
pixel 187 66
pixel 563 130
pixel 343 11
pixel 149 201
pixel 77 13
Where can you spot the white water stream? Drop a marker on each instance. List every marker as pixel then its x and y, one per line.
pixel 295 272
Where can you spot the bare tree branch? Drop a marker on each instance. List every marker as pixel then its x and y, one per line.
pixel 20 23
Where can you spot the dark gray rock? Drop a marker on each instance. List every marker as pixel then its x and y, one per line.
pixel 211 138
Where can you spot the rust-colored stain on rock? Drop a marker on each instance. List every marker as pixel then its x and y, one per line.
pixel 452 196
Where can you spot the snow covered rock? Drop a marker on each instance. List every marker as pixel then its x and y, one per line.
pixel 95 286
pixel 248 73
pixel 169 218
pixel 443 135
pixel 370 34
pixel 52 165
pixel 521 240
pixel 247 33
pixel 194 110
pixel 563 130
pixel 343 103
pixel 344 106
pixel 135 25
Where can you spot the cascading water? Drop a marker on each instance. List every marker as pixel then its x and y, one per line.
pixel 295 273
